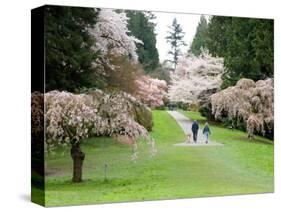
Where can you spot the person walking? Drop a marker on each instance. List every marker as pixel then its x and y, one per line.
pixel 206 132
pixel 194 129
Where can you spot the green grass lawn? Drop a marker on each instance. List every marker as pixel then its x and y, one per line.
pixel 238 167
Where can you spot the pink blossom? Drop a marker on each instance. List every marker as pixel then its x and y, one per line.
pixel 151 91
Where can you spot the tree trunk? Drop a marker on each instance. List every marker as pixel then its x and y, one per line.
pixel 78 157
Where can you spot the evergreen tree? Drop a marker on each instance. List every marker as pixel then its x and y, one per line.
pixel 142 27
pixel 200 38
pixel 175 39
pixel 246 45
pixel 69 55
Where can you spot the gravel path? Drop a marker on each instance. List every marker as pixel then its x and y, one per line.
pixel 185 123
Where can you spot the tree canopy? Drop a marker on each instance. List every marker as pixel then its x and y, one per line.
pixel 193 75
pixel 69 55
pixel 246 44
pixel 151 91
pixel 112 36
pixel 142 27
pixel 199 41
pixel 80 45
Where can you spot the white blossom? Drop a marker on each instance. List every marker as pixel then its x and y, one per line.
pixel 194 75
pixel 250 102
pixel 111 35
pixel 70 118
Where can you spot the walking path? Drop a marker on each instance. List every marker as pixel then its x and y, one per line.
pixel 185 123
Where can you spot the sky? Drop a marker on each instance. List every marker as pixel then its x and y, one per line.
pixel 188 22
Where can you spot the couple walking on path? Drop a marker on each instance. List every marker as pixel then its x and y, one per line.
pixel 206 131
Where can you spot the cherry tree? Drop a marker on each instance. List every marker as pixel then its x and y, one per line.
pixel 193 75
pixel 111 35
pixel 247 101
pixel 151 91
pixel 70 118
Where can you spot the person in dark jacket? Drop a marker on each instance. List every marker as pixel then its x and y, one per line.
pixel 194 129
pixel 206 132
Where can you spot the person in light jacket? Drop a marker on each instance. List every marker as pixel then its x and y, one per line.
pixel 206 132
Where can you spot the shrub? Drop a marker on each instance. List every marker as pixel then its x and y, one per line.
pixel 160 107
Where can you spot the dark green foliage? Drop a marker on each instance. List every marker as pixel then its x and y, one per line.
pixel 269 133
pixel 161 107
pixel 175 39
pixel 233 124
pixel 246 45
pixel 183 106
pixel 206 111
pixel 141 26
pixel 200 38
pixel 143 116
pixel 68 48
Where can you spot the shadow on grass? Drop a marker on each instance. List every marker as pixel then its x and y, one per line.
pixel 256 140
pixel 87 183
